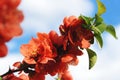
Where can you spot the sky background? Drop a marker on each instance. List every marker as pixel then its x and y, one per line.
pixel 46 15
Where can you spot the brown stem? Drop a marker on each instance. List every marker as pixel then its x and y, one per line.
pixel 10 72
pixel 23 67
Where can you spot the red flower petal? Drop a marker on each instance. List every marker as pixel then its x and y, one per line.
pixel 67 58
pixel 3 50
pixel 67 20
pixel 24 77
pixel 74 62
pixel 13 3
pixel 27 50
pixel 29 60
pixel 37 76
pixel 45 60
pixel 85 43
pixel 57 40
pixel 17 64
pixel 66 76
pixel 10 30
pixel 2 3
pixel 13 29
pixel 75 50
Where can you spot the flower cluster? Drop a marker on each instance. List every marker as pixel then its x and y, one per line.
pixel 52 53
pixel 10 19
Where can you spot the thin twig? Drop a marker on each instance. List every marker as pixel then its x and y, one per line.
pixel 10 72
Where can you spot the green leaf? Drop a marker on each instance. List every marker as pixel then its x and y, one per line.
pixel 97 34
pixel 111 30
pixel 98 20
pixel 85 26
pixel 96 30
pixel 92 41
pixel 57 79
pixel 92 58
pixel 102 27
pixel 99 39
pixel 0 78
pixel 87 19
pixel 101 7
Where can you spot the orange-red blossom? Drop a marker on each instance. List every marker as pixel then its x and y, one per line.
pixel 52 53
pixel 10 19
pixel 75 33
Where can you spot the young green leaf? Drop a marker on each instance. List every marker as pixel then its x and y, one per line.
pixel 92 58
pixel 87 19
pixel 0 78
pixel 96 30
pixel 102 27
pixel 58 79
pixel 98 20
pixel 101 7
pixel 99 39
pixel 111 30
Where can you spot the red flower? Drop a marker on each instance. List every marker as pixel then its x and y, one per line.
pixel 38 50
pixel 56 39
pixel 13 3
pixel 10 18
pixel 67 54
pixel 2 3
pixel 75 33
pixel 66 76
pixel 3 49
pixel 70 56
pixel 24 77
pixel 10 23
pixel 37 76
pixel 8 31
pixel 11 77
pixel 10 3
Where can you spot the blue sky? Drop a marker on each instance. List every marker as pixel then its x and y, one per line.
pixel 112 16
pixel 46 15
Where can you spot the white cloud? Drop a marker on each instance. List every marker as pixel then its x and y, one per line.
pixel 44 15
pixel 8 61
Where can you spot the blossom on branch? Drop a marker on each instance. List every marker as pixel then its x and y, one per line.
pixel 75 33
pixel 51 53
pixel 38 50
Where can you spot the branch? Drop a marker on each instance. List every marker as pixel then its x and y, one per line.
pixel 23 67
pixel 11 71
